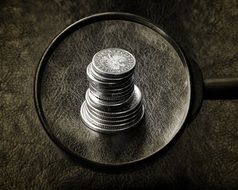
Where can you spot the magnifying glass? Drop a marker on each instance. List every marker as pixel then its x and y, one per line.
pixel 170 83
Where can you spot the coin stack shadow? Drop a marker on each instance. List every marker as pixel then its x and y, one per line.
pixel 113 102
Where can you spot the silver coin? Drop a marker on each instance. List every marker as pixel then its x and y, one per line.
pixel 105 105
pixel 92 79
pixel 112 116
pixel 122 108
pixel 113 121
pixel 113 62
pixel 112 95
pixel 96 126
pixel 108 84
pixel 98 105
pixel 112 89
pixel 105 100
pixel 102 78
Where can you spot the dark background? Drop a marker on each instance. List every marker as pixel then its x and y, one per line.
pixel 205 155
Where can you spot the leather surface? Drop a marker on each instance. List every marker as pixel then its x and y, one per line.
pixel 159 67
pixel 204 156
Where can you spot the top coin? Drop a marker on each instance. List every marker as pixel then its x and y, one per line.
pixel 113 61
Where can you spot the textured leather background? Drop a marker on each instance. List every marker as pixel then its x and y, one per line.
pixel 160 74
pixel 205 155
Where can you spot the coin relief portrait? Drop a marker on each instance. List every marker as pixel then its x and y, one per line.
pixel 114 60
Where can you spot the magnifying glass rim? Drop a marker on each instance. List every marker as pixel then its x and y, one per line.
pixel 70 29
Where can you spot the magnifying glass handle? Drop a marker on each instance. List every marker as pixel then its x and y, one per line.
pixel 221 89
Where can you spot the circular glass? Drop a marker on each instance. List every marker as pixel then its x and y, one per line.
pixel 161 74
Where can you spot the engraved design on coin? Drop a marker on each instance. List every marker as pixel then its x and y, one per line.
pixel 113 61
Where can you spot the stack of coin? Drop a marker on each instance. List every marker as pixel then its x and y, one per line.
pixel 113 102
